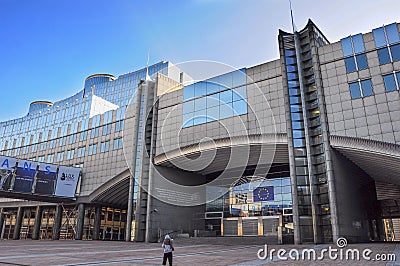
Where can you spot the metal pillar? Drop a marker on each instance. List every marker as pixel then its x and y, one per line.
pixel 80 222
pixel 18 223
pixel 57 222
pixel 97 222
pixel 38 221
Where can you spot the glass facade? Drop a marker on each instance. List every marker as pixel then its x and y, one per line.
pixel 217 98
pixel 392 81
pixel 387 41
pixel 49 126
pixel 354 51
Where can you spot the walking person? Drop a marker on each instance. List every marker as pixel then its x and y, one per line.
pixel 168 248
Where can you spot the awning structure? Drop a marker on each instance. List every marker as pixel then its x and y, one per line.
pixel 380 160
pixel 215 156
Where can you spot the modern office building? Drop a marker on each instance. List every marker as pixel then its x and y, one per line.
pixel 304 148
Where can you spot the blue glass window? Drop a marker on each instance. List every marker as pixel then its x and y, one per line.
pixel 395 50
pixel 226 96
pixel 355 91
pixel 188 107
pixel 366 86
pixel 225 111
pixel 295 108
pixel 297 116
pixel 240 107
pixel 384 56
pixel 294 99
pixel 390 82
pixel 347 47
pixel 358 43
pixel 291 68
pixel 295 91
pixel 212 113
pixel 379 37
pixel 350 64
pixel 362 62
pixel 297 125
pixel 200 104
pixel 200 89
pixel 298 134
pixel 299 143
pixel 239 93
pixel 213 87
pixel 290 60
pixel 291 76
pixel 188 92
pixel 392 33
pixel 289 52
pixel 212 100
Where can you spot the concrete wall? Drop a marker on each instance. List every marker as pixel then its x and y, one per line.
pixel 356 199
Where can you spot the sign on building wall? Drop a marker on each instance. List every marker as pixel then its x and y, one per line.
pixel 31 177
pixel 46 179
pixel 67 180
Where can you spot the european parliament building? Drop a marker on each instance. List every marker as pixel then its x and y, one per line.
pixel 303 149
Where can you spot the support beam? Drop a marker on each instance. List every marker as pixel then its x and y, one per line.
pixel 57 222
pixel 1 222
pixel 80 222
pixel 38 221
pixel 18 223
pixel 97 222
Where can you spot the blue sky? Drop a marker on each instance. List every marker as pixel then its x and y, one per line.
pixel 48 47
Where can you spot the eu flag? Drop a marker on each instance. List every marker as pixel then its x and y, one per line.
pixel 263 194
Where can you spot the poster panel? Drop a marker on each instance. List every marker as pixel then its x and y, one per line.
pixel 67 180
pixel 7 166
pixel 45 179
pixel 24 176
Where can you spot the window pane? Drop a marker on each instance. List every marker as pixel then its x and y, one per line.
pixel 212 113
pixel 358 43
pixel 292 76
pixel 225 110
pixel 238 77
pixel 239 94
pixel 240 107
pixel 366 86
pixel 390 83
pixel 398 78
pixel 299 143
pixel 362 62
pixel 298 134
pixel 346 46
pixel 188 92
pixel 350 64
pixel 383 55
pixel 188 107
pixel 200 104
pixel 290 60
pixel 379 37
pixel 226 96
pixel 212 100
pixel 355 90
pixel 291 68
pixel 297 125
pixel 395 49
pixel 187 120
pixel 297 116
pixel 294 100
pixel 200 117
pixel 212 87
pixel 290 52
pixel 392 33
pixel 200 89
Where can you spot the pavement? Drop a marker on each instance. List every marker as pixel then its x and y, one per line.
pixel 187 252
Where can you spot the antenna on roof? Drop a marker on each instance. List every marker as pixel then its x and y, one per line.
pixel 291 15
pixel 147 65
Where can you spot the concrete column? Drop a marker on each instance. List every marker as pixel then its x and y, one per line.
pixel 80 222
pixel 1 222
pixel 97 222
pixel 57 222
pixel 18 223
pixel 38 221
